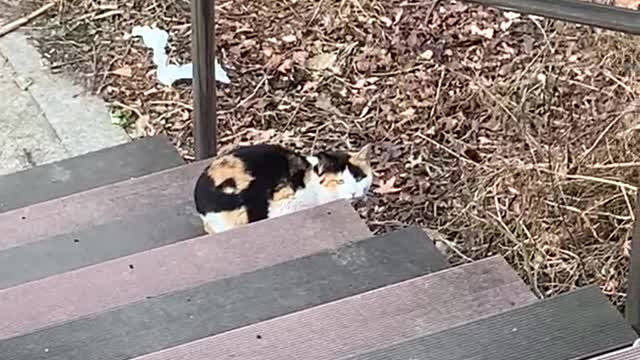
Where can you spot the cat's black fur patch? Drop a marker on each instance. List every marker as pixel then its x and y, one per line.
pixel 271 167
pixel 337 162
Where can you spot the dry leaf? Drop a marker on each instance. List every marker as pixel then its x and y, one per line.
pixel 123 71
pixel 299 57
pixel 386 187
pixel 321 61
pixel 289 38
pixel 274 61
pixel 428 55
pixel 324 103
pixel 475 30
pixel 285 66
pixel 408 113
pixel 629 4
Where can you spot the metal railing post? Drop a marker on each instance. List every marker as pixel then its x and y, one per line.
pixel 575 11
pixel 632 308
pixel 203 54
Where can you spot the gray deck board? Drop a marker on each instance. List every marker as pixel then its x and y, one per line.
pixel 571 326
pixel 182 265
pixel 98 244
pixel 379 317
pixel 49 181
pixel 630 353
pixel 230 303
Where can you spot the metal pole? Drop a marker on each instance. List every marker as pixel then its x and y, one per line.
pixel 203 53
pixel 632 307
pixel 575 11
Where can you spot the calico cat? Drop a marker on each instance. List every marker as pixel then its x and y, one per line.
pixel 257 182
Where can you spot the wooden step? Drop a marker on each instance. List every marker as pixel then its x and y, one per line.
pixel 218 306
pixel 85 247
pixel 107 204
pixel 571 326
pixel 107 166
pixel 379 317
pixel 629 353
pixel 186 264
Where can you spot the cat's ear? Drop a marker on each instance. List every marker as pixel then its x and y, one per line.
pixel 324 160
pixel 364 153
pixel 297 164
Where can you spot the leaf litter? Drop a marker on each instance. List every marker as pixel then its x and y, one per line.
pixel 498 132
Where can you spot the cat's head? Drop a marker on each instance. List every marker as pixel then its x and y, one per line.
pixel 343 175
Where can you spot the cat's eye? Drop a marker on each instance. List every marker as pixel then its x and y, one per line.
pixel 339 181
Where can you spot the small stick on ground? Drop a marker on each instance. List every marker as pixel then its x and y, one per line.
pixel 5 29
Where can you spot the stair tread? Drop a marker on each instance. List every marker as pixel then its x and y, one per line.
pixel 177 266
pixel 98 244
pixel 629 353
pixel 121 162
pixel 379 317
pixel 218 306
pixel 569 326
pixel 99 206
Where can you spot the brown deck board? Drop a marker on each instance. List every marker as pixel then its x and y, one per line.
pixel 571 326
pixel 379 317
pixel 80 173
pixel 222 305
pixel 178 266
pixel 85 247
pixel 98 206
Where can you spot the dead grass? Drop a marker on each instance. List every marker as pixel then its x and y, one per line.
pixel 501 135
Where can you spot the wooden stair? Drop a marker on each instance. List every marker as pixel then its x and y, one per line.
pixel 629 353
pixel 116 266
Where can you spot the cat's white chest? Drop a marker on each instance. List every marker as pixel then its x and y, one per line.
pixel 301 200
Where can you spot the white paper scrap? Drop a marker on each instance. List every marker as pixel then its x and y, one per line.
pixel 156 39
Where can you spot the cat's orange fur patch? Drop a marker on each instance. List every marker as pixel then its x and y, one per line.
pixel 330 181
pixel 235 218
pixel 230 167
pixel 283 194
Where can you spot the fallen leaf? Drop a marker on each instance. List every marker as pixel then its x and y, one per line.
pixel 428 55
pixel 289 38
pixel 321 61
pixel 299 57
pixel 285 66
pixel 487 33
pixel 324 103
pixel 408 113
pixel 629 4
pixel 274 61
pixel 386 21
pixel 386 187
pixel 123 71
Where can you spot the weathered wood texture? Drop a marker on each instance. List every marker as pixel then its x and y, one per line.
pixel 99 206
pixel 186 264
pixel 215 307
pixel 380 317
pixel 631 353
pixel 98 244
pixel 88 171
pixel 572 326
pixel 575 11
pixel 203 53
pixel 632 307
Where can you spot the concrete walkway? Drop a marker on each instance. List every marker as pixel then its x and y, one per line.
pixel 45 117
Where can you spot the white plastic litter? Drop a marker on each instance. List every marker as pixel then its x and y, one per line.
pixel 157 39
